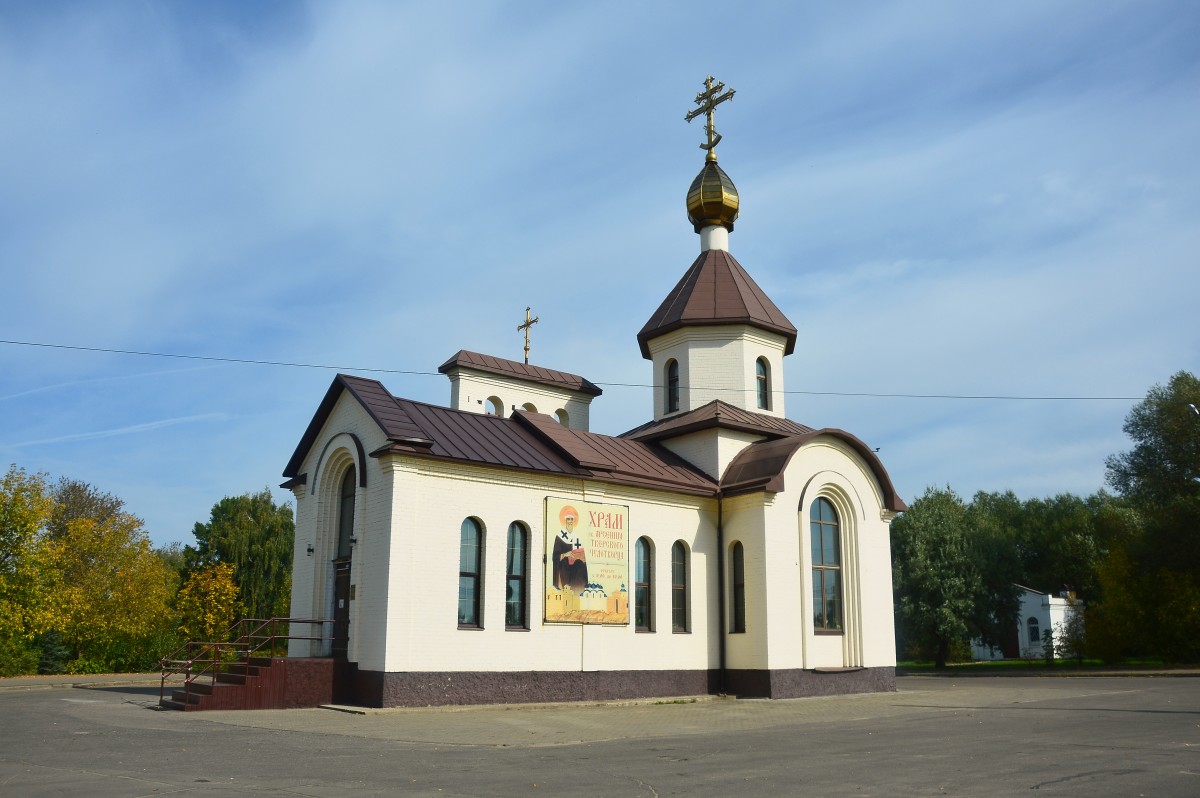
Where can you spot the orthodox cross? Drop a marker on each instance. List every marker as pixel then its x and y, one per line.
pixel 708 100
pixel 528 323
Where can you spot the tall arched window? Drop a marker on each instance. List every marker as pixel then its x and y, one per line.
pixel 762 374
pixel 672 386
pixel 643 583
pixel 1035 635
pixel 346 514
pixel 679 587
pixel 470 572
pixel 739 588
pixel 516 602
pixel 825 538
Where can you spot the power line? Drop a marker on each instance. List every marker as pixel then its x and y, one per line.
pixel 871 395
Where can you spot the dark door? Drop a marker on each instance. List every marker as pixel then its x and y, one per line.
pixel 341 607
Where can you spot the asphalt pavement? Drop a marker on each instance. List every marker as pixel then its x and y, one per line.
pixel 985 736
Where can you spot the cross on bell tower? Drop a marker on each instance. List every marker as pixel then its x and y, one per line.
pixel 525 327
pixel 708 100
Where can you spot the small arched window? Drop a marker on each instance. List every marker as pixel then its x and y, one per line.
pixel 562 417
pixel 738 565
pixel 494 406
pixel 643 583
pixel 679 587
pixel 672 385
pixel 528 407
pixel 470 572
pixel 825 536
pixel 762 376
pixel 516 602
pixel 1035 635
pixel 346 514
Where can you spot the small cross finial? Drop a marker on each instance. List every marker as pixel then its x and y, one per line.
pixel 708 100
pixel 528 323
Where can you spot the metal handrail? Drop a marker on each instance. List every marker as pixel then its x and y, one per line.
pixel 199 659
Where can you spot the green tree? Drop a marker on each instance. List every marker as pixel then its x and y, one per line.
pixel 1155 572
pixel 255 536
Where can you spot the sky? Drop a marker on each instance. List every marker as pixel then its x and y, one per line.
pixel 969 199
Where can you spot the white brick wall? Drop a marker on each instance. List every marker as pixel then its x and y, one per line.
pixel 470 391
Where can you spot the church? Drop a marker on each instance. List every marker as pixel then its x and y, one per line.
pixel 498 550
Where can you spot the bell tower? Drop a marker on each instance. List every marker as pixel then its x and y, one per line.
pixel 716 336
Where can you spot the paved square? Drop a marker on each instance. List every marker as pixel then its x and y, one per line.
pixel 935 736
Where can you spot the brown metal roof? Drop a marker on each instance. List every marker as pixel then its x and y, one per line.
pixel 716 414
pixel 527 441
pixel 716 290
pixel 378 403
pixel 760 466
pixel 511 368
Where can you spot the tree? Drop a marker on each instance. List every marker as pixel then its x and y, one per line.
pixel 934 582
pixel 25 508
pixel 1155 572
pixel 255 536
pixel 75 499
pixel 105 594
pixel 208 603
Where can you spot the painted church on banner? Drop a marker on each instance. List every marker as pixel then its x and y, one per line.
pixel 498 550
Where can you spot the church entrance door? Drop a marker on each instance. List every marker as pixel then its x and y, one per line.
pixel 341 607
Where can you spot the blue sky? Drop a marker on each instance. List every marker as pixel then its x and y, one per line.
pixel 944 197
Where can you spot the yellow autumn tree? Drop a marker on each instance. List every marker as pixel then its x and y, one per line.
pixel 208 603
pixel 105 593
pixel 25 509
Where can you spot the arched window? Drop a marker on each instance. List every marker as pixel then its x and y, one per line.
pixel 826 566
pixel 672 386
pixel 643 582
pixel 738 565
pixel 528 407
pixel 1035 635
pixel 762 374
pixel 470 572
pixel 494 406
pixel 562 417
pixel 516 601
pixel 679 586
pixel 346 514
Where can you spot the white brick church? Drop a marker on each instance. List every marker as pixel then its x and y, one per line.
pixel 497 550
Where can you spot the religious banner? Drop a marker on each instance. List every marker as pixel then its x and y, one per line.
pixel 587 562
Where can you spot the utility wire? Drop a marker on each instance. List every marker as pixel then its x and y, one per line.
pixel 607 384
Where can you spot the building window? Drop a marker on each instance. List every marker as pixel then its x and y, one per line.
pixel 762 375
pixel 470 572
pixel 346 514
pixel 562 417
pixel 679 578
pixel 528 407
pixel 826 566
pixel 739 589
pixel 1035 635
pixel 672 386
pixel 643 582
pixel 494 406
pixel 516 601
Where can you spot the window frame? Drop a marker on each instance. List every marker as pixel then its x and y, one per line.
pixel 762 378
pixel 680 621
pixel 475 576
pixel 643 590
pixel 521 579
pixel 347 493
pixel 672 386
pixel 1033 631
pixel 822 570
pixel 737 584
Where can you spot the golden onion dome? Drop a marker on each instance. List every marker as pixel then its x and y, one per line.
pixel 712 199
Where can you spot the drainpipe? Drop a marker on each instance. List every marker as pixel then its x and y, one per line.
pixel 720 596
